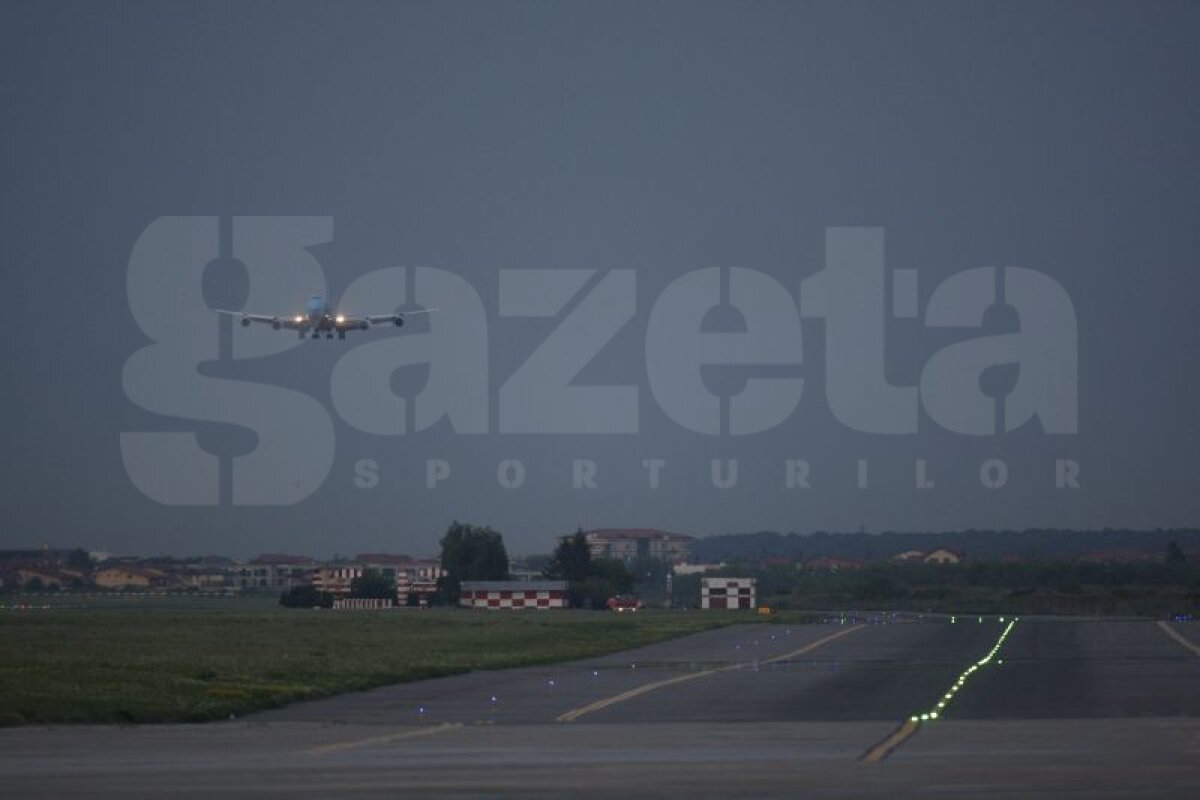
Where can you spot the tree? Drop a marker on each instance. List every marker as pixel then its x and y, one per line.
pixel 572 560
pixel 305 597
pixel 609 577
pixel 79 559
pixel 589 582
pixel 470 553
pixel 1175 553
pixel 373 584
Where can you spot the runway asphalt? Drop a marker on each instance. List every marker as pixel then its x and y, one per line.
pixel 1052 707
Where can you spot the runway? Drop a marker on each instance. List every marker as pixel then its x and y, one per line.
pixel 1046 707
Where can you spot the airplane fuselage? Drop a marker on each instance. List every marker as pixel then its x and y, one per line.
pixel 318 316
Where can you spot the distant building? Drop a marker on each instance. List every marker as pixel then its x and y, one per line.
pixel 203 578
pixel 275 572
pixel 943 555
pixel 514 595
pixel 696 569
pixel 718 593
pixel 626 544
pixel 910 555
pixel 417 578
pixel 412 576
pixel 48 577
pixel 127 576
pixel 336 579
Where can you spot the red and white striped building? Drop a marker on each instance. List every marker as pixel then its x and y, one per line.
pixel 727 592
pixel 513 594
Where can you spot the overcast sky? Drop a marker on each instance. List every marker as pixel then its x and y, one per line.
pixel 658 138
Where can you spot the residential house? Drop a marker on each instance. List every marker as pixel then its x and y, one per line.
pixel 127 576
pixel 943 555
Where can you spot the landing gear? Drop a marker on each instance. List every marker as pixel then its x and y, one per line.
pixel 329 335
pixel 341 334
pixel 316 334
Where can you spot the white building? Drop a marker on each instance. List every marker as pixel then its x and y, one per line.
pixel 626 544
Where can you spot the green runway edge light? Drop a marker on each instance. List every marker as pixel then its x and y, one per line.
pixel 935 712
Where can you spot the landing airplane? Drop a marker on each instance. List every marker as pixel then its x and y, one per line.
pixel 318 319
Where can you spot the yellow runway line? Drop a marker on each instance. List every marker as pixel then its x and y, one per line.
pixel 1179 637
pixel 884 748
pixel 576 713
pixel 808 648
pixel 391 737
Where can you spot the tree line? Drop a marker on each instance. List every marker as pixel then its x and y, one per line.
pixel 1033 544
pixel 477 553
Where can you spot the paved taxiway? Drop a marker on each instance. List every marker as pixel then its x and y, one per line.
pixel 1068 708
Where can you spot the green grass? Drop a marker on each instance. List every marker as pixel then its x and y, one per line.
pixel 132 660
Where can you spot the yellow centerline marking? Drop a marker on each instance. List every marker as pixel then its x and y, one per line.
pixel 913 724
pixel 576 713
pixel 898 737
pixel 812 645
pixel 391 737
pixel 1179 637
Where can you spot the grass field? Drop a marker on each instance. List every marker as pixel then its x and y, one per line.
pixel 181 660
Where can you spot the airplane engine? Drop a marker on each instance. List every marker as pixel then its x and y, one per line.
pixel 245 322
pixel 276 324
pixel 399 322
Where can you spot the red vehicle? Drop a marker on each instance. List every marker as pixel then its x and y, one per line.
pixel 624 602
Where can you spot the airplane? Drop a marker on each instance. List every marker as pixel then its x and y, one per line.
pixel 318 319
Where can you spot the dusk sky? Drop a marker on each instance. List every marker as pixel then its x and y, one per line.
pixel 1021 176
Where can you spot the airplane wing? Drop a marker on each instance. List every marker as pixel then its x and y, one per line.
pixel 274 321
pixel 395 319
